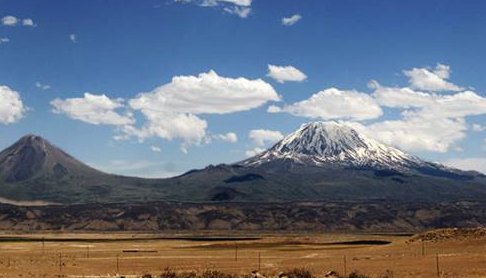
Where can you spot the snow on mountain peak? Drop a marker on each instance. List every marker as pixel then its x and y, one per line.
pixel 319 143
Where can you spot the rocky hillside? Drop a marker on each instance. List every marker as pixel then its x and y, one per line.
pixel 164 216
pixel 445 234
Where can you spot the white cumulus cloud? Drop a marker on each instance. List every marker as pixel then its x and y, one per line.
pixel 466 103
pixel 274 109
pixel 244 3
pixel 430 121
pixel 93 109
pixel 418 133
pixel 262 137
pixel 241 8
pixel 229 137
pixel 477 127
pixel 439 105
pixel 11 107
pixel 477 164
pixel 169 125
pixel 288 21
pixel 28 22
pixel 254 151
pixel 42 86
pixel 207 93
pixel 4 40
pixel 73 38
pixel 431 79
pixel 397 97
pixel 155 149
pixel 333 103
pixel 285 74
pixel 171 110
pixel 242 12
pixel 12 21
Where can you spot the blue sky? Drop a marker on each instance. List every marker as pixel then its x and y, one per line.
pixel 124 52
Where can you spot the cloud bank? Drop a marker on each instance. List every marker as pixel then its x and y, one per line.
pixel 172 110
pixel 429 119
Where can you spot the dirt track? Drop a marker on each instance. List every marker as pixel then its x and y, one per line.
pixel 96 255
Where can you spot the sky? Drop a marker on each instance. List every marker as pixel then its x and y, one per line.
pixel 158 87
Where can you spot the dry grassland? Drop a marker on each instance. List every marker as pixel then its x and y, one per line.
pixel 122 254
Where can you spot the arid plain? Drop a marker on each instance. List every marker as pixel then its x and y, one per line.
pixel 239 254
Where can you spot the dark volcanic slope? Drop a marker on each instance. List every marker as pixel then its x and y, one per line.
pixel 319 162
pixel 34 169
pixel 33 157
pixel 285 180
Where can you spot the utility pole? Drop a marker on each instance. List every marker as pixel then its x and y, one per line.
pixel 344 264
pixel 259 260
pixel 236 252
pixel 60 264
pixel 87 251
pixel 423 248
pixel 117 265
pixel 43 246
pixel 437 265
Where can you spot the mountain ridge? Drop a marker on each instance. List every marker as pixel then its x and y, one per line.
pixel 320 161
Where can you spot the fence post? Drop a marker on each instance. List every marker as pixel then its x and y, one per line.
pixel 87 251
pixel 437 265
pixel 423 248
pixel 236 252
pixel 117 265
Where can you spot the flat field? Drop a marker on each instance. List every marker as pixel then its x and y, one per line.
pixel 237 254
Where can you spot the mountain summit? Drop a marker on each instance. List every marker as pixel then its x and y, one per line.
pixel 321 143
pixel 34 169
pixel 32 156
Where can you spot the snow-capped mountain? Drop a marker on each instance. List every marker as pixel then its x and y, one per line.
pixel 321 143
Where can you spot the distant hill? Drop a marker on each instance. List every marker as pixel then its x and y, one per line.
pixel 320 161
pixel 33 157
pixel 171 217
pixel 34 169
